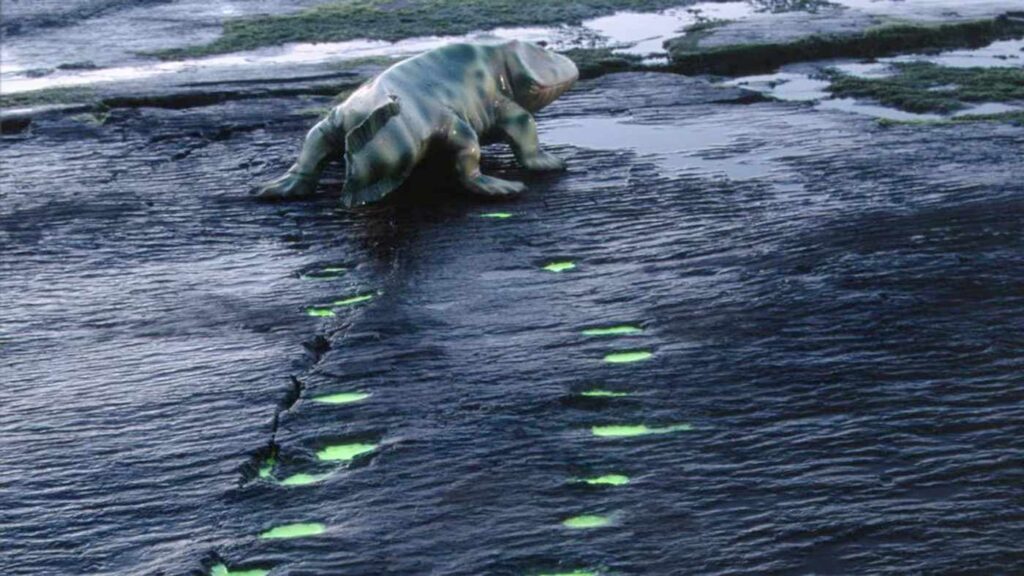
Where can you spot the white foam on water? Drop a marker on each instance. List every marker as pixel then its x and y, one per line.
pixel 999 54
pixel 629 32
pixel 875 110
pixel 691 148
pixel 289 54
pixel 789 86
pixel 642 33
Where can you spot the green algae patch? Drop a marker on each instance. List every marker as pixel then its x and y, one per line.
pixel 319 312
pixel 622 330
pixel 596 393
pixel 608 480
pixel 341 20
pixel 497 215
pixel 344 452
pixel 48 97
pixel 352 301
pixel 298 530
pixel 559 266
pixel 586 521
pixel 342 398
pixel 303 479
pixel 923 87
pixel 633 430
pixel 223 570
pixel 688 56
pixel 628 356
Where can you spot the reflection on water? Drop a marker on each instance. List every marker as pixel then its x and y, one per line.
pixel 697 147
pixel 876 110
pixel 790 86
pixel 1000 54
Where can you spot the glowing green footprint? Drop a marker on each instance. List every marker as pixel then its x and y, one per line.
pixel 559 266
pixel 630 430
pixel 342 398
pixel 222 570
pixel 608 480
pixel 353 300
pixel 329 273
pixel 597 393
pixel 586 521
pixel 624 330
pixel 497 215
pixel 344 452
pixel 267 469
pixel 299 530
pixel 628 356
pixel 327 310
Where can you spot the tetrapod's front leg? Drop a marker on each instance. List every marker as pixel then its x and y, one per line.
pixel 464 141
pixel 322 143
pixel 520 130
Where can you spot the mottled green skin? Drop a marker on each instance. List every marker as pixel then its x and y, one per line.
pixel 458 96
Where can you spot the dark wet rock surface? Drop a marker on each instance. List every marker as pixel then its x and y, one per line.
pixel 832 305
pixel 764 44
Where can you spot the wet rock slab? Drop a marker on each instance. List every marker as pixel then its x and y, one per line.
pixel 830 305
pixel 763 44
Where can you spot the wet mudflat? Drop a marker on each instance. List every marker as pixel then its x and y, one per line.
pixel 742 338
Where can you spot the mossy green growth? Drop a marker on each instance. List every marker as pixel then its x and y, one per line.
pixel 342 398
pixel 628 356
pixel 223 570
pixel 352 301
pixel 497 215
pixel 1016 118
pixel 632 430
pixel 594 62
pixel 344 452
pixel 298 530
pixel 597 393
pixel 340 20
pixel 688 56
pixel 303 479
pixel 925 87
pixel 48 97
pixel 559 266
pixel 586 521
pixel 319 312
pixel 608 480
pixel 622 330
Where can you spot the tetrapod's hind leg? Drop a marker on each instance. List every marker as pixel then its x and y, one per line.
pixel 463 140
pixel 324 142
